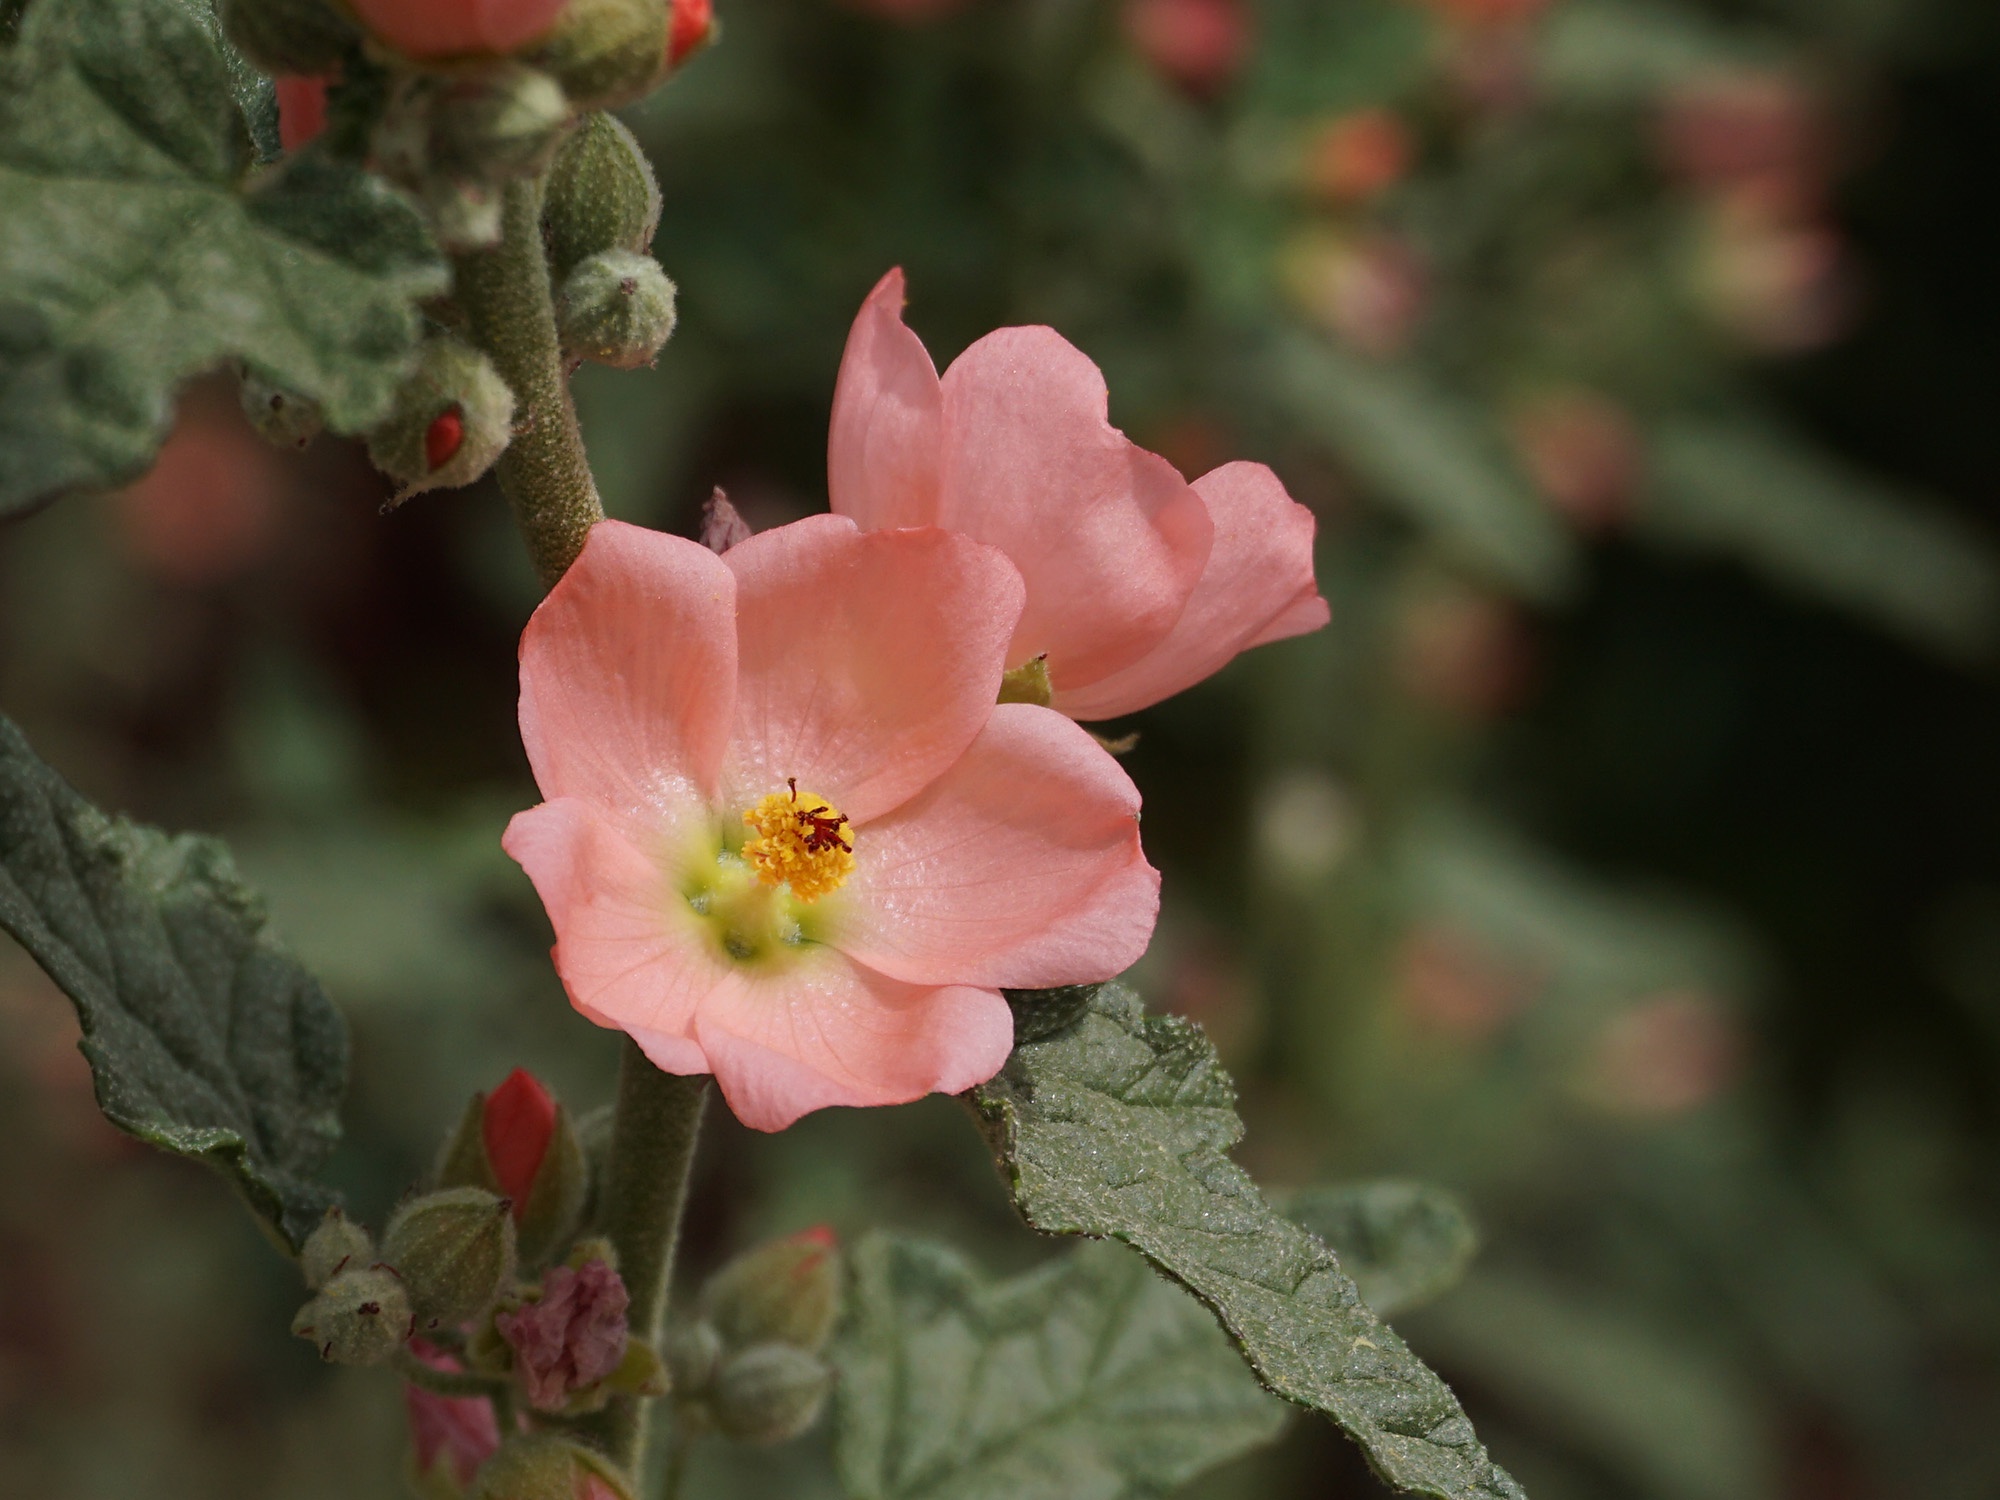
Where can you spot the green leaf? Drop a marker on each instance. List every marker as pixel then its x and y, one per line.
pixel 205 1037
pixel 1118 1127
pixel 140 244
pixel 1404 1243
pixel 1087 1379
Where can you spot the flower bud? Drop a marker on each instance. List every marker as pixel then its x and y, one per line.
pixel 283 418
pixel 452 418
pixel 454 1250
pixel 338 1243
pixel 787 1291
pixel 449 29
pixel 570 1336
pixel 518 1141
pixel 290 36
pixel 768 1393
pixel 691 28
pixel 545 1467
pixel 616 308
pixel 499 123
pixel 601 195
pixel 606 52
pixel 302 106
pixel 360 1317
pixel 693 1350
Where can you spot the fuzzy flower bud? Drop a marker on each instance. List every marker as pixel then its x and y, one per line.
pixel 691 28
pixel 454 1250
pixel 499 123
pixel 545 1467
pixel 360 1317
pixel 572 1337
pixel 452 419
pixel 282 418
pixel 606 52
pixel 337 1244
pixel 616 308
pixel 439 29
pixel 601 195
pixel 787 1291
pixel 519 1142
pixel 769 1393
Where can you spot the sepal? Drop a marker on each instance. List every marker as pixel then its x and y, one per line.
pixel 786 1291
pixel 338 1243
pixel 455 1252
pixel 452 419
pixel 360 1317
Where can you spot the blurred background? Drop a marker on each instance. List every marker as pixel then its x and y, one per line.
pixel 1625 857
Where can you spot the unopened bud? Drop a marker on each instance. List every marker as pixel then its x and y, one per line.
pixel 283 418
pixel 693 1350
pixel 360 1317
pixel 518 1141
pixel 769 1393
pixel 787 1291
pixel 454 385
pixel 616 308
pixel 498 123
pixel 290 36
pixel 455 1252
pixel 336 1245
pixel 691 28
pixel 601 195
pixel 605 52
pixel 545 1467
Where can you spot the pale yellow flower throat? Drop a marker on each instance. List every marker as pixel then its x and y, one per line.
pixel 802 841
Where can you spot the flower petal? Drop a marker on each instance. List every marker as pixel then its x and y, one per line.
pixel 867 661
pixel 1258 586
pixel 1020 866
pixel 625 960
pixel 884 442
pixel 628 675
pixel 1109 537
pixel 824 1031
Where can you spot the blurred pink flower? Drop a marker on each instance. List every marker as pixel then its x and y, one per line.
pixel 1755 132
pixel 1353 157
pixel 1199 44
pixel 1463 650
pixel 572 1337
pixel 1665 1056
pixel 1584 453
pixel 1778 283
pixel 451 1435
pixel 1138 584
pixel 454 28
pixel 1452 982
pixel 790 839
pixel 208 510
pixel 301 109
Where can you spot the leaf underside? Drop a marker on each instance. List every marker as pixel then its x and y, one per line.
pixel 1086 1379
pixel 1118 1128
pixel 1404 1243
pixel 141 244
pixel 205 1037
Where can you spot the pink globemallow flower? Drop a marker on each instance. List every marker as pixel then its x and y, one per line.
pixel 571 1338
pixel 451 1435
pixel 432 29
pixel 1138 583
pixel 790 839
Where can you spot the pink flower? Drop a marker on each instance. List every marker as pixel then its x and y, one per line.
pixel 1200 44
pixel 789 838
pixel 570 1339
pixel 1138 584
pixel 455 1434
pixel 458 28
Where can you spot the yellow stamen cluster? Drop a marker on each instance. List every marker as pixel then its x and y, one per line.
pixel 802 841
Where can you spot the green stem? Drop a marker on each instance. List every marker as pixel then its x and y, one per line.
pixel 509 303
pixel 506 296
pixel 653 1131
pixel 447 1382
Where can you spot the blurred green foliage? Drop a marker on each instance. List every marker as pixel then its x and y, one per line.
pixel 1625 858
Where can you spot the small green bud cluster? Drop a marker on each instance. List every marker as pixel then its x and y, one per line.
pixel 360 1312
pixel 748 1363
pixel 614 304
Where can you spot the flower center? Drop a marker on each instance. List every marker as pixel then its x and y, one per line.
pixel 800 840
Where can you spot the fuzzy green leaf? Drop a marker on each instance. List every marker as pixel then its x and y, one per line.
pixel 1087 1379
pixel 1118 1127
pixel 205 1037
pixel 140 244
pixel 1404 1243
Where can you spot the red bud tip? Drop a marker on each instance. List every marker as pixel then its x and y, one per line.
pixel 819 1234
pixel 441 440
pixel 518 1121
pixel 301 109
pixel 692 22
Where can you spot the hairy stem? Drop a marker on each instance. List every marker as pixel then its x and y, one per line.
pixel 507 298
pixel 653 1132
